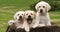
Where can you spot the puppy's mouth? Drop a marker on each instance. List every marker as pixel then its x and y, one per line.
pixel 29 20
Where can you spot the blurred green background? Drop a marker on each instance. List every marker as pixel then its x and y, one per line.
pixel 9 7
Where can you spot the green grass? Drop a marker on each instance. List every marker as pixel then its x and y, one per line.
pixel 9 7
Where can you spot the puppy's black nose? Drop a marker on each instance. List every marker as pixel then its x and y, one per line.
pixel 20 17
pixel 41 11
pixel 29 16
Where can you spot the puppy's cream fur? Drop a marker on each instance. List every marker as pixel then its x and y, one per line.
pixel 26 24
pixel 42 16
pixel 11 22
pixel 19 19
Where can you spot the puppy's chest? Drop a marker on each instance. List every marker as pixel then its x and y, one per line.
pixel 43 18
pixel 33 22
pixel 18 24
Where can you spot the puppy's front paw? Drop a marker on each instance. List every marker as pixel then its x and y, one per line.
pixel 41 25
pixel 11 22
pixel 20 27
pixel 35 26
pixel 27 29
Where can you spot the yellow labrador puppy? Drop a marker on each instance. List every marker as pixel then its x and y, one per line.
pixel 29 19
pixel 42 16
pixel 18 20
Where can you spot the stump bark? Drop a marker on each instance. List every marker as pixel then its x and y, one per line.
pixel 53 28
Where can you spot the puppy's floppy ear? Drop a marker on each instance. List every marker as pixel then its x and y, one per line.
pixel 15 16
pixel 36 7
pixel 48 7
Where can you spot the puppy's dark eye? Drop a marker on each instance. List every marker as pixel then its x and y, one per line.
pixel 43 6
pixel 31 14
pixel 39 6
pixel 18 14
pixel 26 14
pixel 22 14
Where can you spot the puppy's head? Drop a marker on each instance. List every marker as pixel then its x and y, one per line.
pixel 42 7
pixel 29 16
pixel 19 15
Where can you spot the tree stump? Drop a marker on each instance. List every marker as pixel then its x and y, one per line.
pixel 46 29
pixel 53 28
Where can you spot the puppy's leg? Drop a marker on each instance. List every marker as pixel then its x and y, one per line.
pixel 48 23
pixel 37 20
pixel 26 26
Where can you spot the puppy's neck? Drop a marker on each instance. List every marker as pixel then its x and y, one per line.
pixel 43 14
pixel 20 21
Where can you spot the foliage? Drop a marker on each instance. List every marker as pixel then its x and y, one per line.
pixel 55 4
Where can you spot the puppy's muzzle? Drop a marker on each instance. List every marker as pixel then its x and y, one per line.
pixel 29 19
pixel 29 16
pixel 41 10
pixel 20 17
